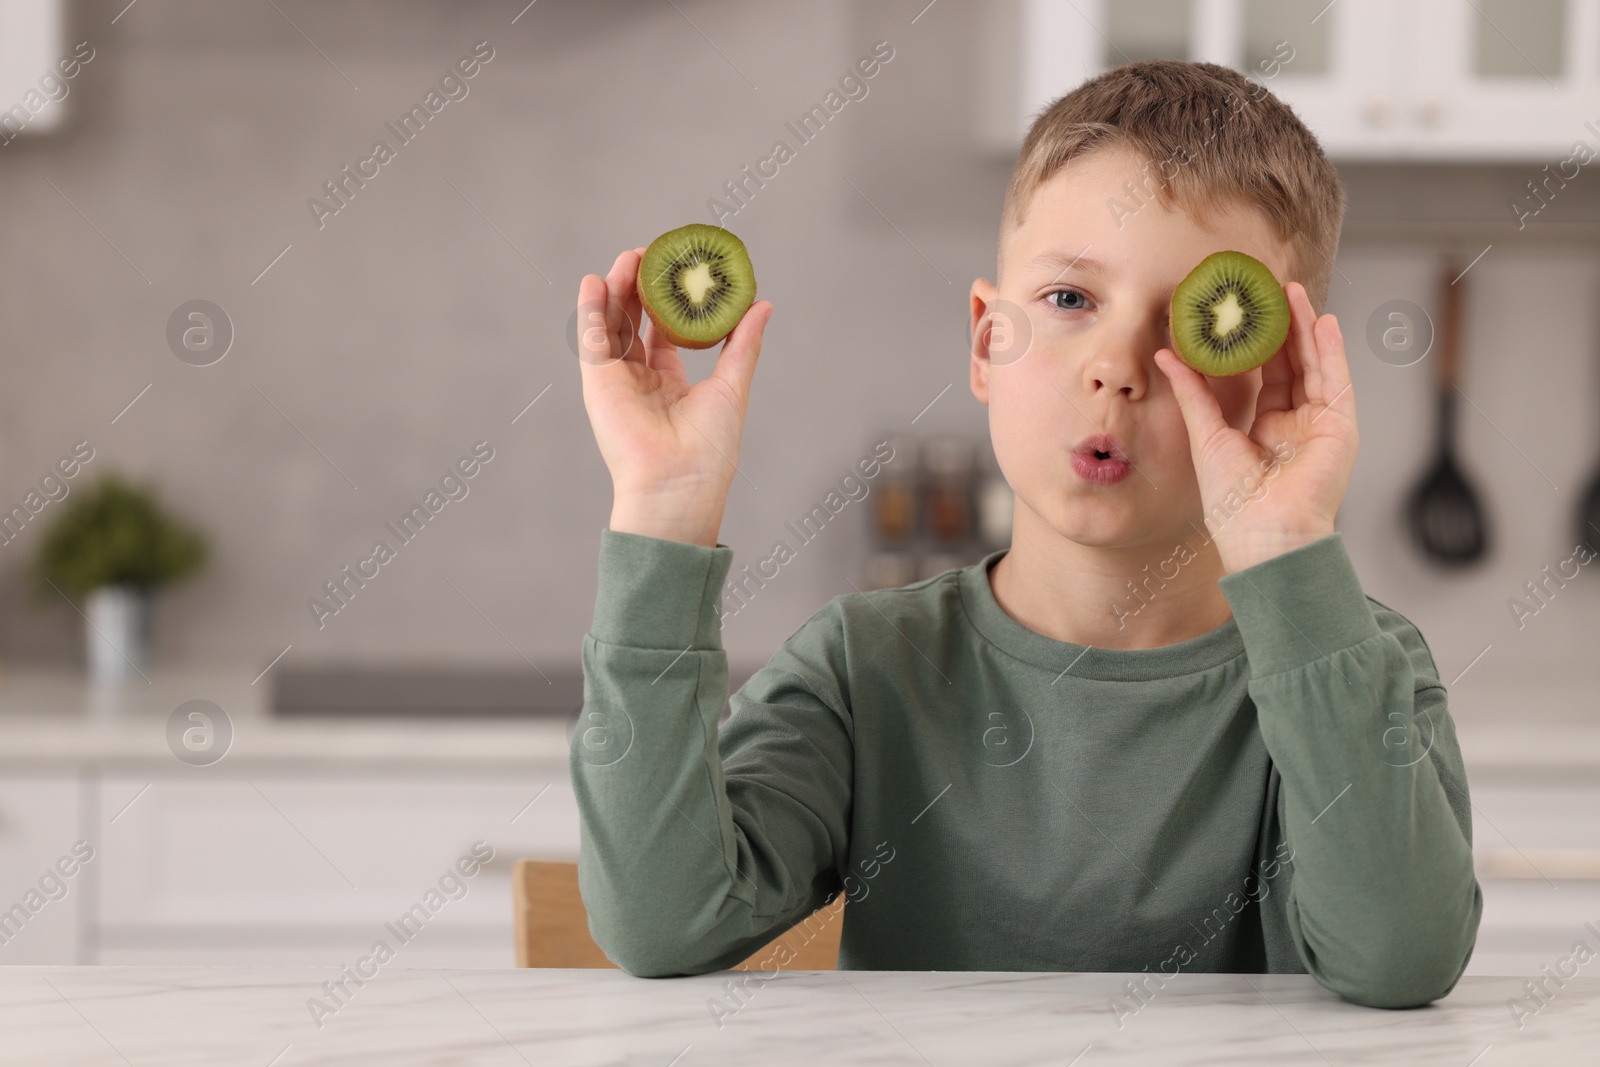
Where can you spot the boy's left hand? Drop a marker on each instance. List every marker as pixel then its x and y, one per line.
pixel 1306 404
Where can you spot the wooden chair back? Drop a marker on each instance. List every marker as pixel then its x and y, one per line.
pixel 552 926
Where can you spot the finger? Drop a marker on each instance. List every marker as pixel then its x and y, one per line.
pixel 1202 415
pixel 632 305
pixel 1303 346
pixel 660 353
pixel 1291 349
pixel 621 290
pixel 737 364
pixel 1335 365
pixel 594 337
pixel 1277 384
pixel 659 350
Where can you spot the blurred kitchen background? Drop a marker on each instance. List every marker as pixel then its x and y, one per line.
pixel 278 382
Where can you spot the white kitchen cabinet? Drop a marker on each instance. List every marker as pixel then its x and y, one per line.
pixel 1506 78
pixel 38 829
pixel 1374 79
pixel 30 48
pixel 278 866
pixel 284 867
pixel 1536 843
pixel 294 863
pixel 298 845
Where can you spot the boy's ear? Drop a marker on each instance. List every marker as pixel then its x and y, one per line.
pixel 1001 334
pixel 983 296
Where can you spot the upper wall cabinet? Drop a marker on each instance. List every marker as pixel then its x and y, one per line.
pixel 1374 79
pixel 31 83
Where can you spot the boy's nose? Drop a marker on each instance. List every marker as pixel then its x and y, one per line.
pixel 1121 365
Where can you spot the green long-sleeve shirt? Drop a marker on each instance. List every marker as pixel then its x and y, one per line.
pixel 1282 794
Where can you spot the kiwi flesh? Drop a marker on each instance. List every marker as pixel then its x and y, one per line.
pixel 1229 315
pixel 696 283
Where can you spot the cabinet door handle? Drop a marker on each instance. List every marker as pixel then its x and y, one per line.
pixel 1539 863
pixel 1431 112
pixel 1378 111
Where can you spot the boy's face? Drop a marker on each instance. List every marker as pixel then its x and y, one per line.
pixel 1074 352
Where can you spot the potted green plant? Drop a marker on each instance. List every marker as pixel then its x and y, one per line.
pixel 112 547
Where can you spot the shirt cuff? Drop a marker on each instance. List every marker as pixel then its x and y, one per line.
pixel 1299 606
pixel 656 593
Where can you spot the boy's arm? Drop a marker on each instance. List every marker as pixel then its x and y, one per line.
pixel 685 868
pixel 1384 905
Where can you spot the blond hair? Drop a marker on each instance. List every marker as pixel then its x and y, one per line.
pixel 1208 137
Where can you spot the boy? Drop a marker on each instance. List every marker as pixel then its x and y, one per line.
pixel 1214 751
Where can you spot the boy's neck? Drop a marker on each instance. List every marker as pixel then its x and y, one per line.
pixel 1081 594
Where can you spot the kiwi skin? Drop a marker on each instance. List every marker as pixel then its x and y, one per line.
pixel 672 335
pixel 663 327
pixel 1265 303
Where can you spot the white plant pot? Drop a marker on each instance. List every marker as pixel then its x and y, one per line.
pixel 118 632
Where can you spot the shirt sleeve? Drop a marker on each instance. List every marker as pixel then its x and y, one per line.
pixel 699 847
pixel 1384 905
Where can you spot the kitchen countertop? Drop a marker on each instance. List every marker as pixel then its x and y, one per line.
pixel 1514 725
pixel 55 718
pixel 253 1017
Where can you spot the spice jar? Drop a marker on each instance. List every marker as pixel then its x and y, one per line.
pixel 894 516
pixel 996 503
pixel 949 491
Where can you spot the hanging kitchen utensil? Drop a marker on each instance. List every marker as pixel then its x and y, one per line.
pixel 1446 518
pixel 1589 514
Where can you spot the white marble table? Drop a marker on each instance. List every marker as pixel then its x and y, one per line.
pixel 259 1017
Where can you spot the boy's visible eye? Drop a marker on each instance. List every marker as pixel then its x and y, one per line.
pixel 1069 300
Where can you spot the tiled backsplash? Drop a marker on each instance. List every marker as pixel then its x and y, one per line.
pixel 429 315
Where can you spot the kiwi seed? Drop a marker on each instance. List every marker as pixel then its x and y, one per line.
pixel 696 283
pixel 1229 315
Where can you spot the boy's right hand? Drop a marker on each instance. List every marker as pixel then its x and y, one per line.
pixel 671 448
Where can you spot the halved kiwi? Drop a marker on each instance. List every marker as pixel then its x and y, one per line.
pixel 1229 315
pixel 696 283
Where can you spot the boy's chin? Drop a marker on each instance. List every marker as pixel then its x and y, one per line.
pixel 1107 532
pixel 1118 528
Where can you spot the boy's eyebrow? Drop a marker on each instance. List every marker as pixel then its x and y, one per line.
pixel 1061 263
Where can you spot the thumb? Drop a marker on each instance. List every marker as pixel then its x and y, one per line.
pixel 1202 415
pixel 736 366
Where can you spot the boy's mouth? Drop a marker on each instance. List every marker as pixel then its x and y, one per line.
pixel 1099 459
pixel 1101 446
